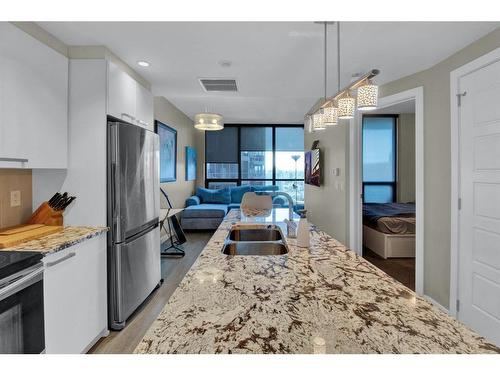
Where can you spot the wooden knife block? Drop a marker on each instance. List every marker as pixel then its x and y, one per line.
pixel 46 215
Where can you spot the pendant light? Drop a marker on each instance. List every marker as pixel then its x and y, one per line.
pixel 208 121
pixel 346 106
pixel 346 103
pixel 329 113
pixel 318 121
pixel 330 116
pixel 367 96
pixel 343 105
pixel 308 124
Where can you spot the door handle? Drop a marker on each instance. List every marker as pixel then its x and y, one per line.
pixel 66 257
pixel 18 160
pixel 129 116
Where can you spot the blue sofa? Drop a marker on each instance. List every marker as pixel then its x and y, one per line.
pixel 208 207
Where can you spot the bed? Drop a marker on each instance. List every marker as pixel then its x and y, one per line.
pixel 389 229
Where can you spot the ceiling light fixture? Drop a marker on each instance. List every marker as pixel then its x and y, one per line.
pixel 318 121
pixel 342 105
pixel 308 123
pixel 208 121
pixel 143 63
pixel 330 115
pixel 346 106
pixel 367 96
pixel 225 63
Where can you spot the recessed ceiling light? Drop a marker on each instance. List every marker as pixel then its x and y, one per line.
pixel 143 63
pixel 225 63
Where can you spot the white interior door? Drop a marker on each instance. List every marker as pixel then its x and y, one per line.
pixel 479 218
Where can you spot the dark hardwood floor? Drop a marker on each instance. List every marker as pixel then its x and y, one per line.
pixel 173 271
pixel 402 269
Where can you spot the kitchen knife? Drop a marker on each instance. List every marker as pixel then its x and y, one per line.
pixel 68 202
pixel 62 202
pixel 54 202
pixel 54 198
pixel 57 201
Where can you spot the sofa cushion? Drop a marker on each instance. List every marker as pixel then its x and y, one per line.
pixel 209 223
pixel 192 201
pixel 218 196
pixel 238 192
pixel 234 206
pixel 205 211
pixel 265 188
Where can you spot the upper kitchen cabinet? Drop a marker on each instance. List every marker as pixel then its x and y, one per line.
pixel 127 99
pixel 145 111
pixel 33 102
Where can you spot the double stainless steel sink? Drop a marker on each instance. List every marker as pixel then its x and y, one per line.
pixel 255 240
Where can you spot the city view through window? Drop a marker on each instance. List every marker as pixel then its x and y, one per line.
pixel 268 155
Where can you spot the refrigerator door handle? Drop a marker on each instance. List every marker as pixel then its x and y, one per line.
pixel 115 183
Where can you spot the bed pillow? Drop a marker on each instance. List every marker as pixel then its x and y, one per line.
pixel 219 196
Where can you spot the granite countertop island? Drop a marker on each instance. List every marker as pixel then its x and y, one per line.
pixel 324 299
pixel 55 242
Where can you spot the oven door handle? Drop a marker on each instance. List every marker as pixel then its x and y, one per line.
pixel 21 283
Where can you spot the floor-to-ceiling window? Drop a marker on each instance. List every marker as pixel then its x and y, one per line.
pixel 379 158
pixel 256 155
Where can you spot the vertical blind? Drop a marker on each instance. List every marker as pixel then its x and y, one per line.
pixel 256 138
pixel 222 146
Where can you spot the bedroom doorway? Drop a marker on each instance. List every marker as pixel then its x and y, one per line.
pixel 388 191
pixel 387 195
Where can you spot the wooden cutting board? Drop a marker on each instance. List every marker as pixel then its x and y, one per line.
pixel 19 229
pixel 24 233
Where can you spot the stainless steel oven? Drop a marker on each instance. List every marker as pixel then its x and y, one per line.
pixel 21 310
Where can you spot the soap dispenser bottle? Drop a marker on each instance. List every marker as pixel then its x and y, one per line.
pixel 303 234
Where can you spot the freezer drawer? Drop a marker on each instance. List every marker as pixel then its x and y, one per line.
pixel 137 272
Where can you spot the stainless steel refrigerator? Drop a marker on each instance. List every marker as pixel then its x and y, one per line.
pixel 133 211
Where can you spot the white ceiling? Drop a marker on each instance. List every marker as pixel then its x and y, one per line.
pixel 278 65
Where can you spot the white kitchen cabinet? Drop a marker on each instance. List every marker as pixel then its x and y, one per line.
pixel 33 102
pixel 128 100
pixel 121 94
pixel 145 111
pixel 75 303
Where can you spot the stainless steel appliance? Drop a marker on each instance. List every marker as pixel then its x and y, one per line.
pixel 133 216
pixel 21 303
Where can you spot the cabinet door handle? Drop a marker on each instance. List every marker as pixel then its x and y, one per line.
pixel 18 160
pixel 129 116
pixel 66 257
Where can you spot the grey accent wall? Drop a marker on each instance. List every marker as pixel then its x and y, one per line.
pixel 437 163
pixel 170 115
pixel 406 158
pixel 328 205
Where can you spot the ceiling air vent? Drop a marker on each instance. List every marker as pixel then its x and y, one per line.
pixel 218 85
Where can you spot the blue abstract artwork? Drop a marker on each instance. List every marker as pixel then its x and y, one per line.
pixel 190 163
pixel 168 152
